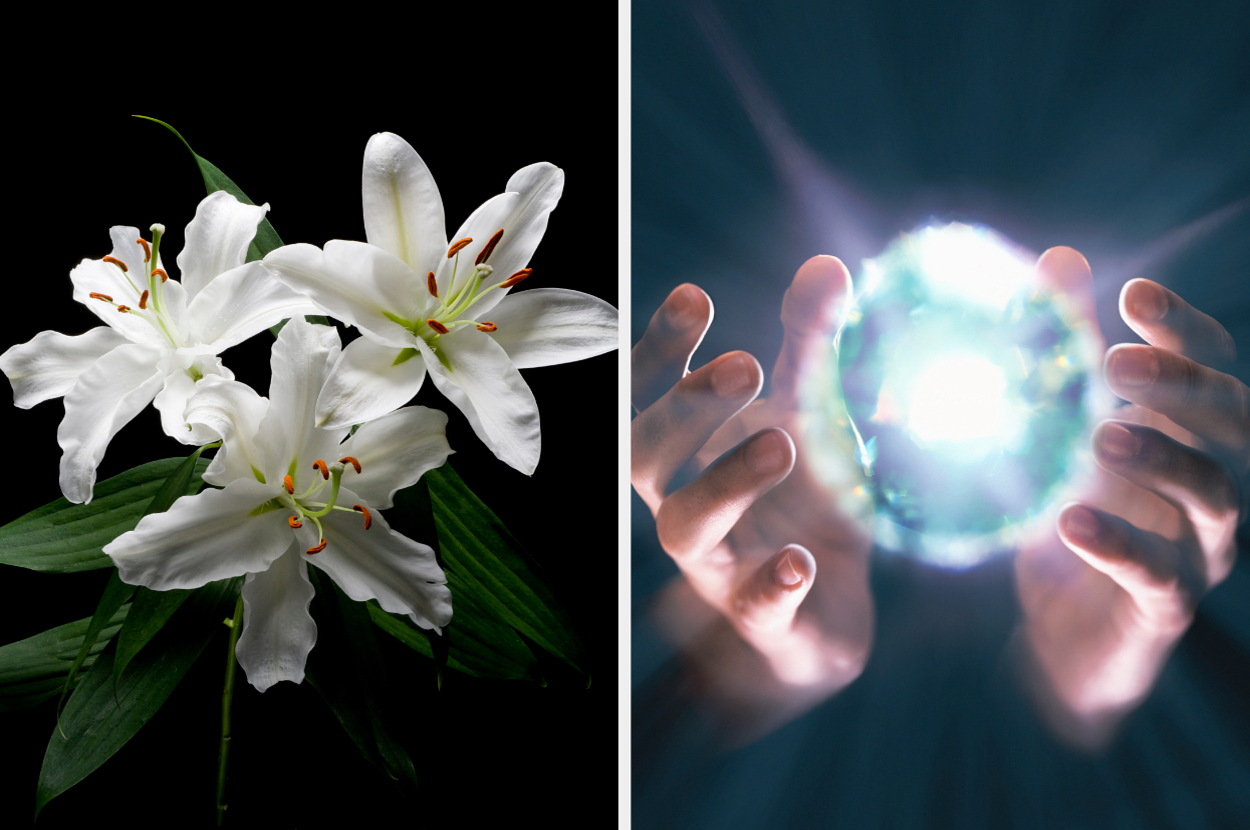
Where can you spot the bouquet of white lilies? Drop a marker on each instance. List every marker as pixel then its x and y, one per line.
pixel 282 530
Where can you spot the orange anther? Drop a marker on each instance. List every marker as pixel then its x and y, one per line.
pixel 319 548
pixel 294 522
pixel 365 510
pixel 160 271
pixel 489 247
pixel 451 252
pixel 517 277
pixel 432 284
pixel 123 308
pixel 348 459
pixel 486 325
pixel 143 301
pixel 147 250
pixel 93 295
pixel 289 484
pixel 116 262
pixel 321 465
pixel 437 326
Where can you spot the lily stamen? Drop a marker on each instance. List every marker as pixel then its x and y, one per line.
pixel 432 284
pixel 123 308
pixel 319 548
pixel 105 297
pixel 489 247
pixel 517 277
pixel 437 326
pixel 454 249
pixel 147 249
pixel 349 459
pixel 321 465
pixel 486 326
pixel 162 273
pixel 294 522
pixel 289 484
pixel 362 509
pixel 143 300
pixel 117 262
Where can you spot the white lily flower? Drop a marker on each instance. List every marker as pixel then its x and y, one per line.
pixel 164 340
pixel 421 305
pixel 283 505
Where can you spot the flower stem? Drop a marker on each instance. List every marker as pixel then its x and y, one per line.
pixel 227 697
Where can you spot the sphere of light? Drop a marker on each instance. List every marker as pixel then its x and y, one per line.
pixel 960 386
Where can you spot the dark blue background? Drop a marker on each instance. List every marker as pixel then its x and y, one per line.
pixel 765 133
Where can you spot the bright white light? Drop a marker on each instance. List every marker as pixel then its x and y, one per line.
pixel 960 398
pixel 971 264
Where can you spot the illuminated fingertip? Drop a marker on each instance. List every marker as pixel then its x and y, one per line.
pixel 1079 523
pixel 785 573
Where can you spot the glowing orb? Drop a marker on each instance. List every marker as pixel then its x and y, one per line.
pixel 960 386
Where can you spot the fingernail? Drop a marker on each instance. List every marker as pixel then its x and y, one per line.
pixel 734 377
pixel 1118 442
pixel 1135 367
pixel 1147 302
pixel 767 454
pixel 1080 523
pixel 682 310
pixel 785 572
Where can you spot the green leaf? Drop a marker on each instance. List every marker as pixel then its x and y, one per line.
pixel 33 670
pixel 346 669
pixel 117 592
pixel 97 724
pixel 266 238
pixel 148 615
pixel 64 538
pixel 488 567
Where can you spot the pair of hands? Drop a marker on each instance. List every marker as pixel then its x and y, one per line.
pixel 1105 597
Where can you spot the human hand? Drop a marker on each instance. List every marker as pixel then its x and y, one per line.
pixel 752 530
pixel 1156 530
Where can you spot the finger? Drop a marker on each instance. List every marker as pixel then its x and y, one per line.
pixel 1065 270
pixel 661 357
pixel 666 434
pixel 692 520
pixel 811 312
pixel 767 601
pixel 1164 581
pixel 1163 319
pixel 1204 401
pixel 1191 480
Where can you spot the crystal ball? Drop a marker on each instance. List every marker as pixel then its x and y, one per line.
pixel 960 389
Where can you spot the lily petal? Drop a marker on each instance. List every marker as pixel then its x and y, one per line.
pixel 96 276
pixel 106 397
pixel 233 412
pixel 367 383
pixel 403 209
pixel 48 365
pixel 548 326
pixel 171 401
pixel 278 631
pixel 378 563
pixel 217 239
pixel 357 283
pixel 299 363
pixel 522 211
pixel 396 450
pixel 213 535
pixel 480 379
pixel 239 303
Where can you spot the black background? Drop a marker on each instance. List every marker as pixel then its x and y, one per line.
pixel 288 123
